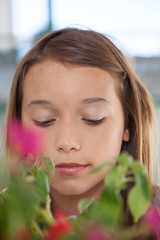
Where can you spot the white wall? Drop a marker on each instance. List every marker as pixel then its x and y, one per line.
pixel 7 41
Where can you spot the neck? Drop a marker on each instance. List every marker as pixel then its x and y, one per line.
pixel 69 203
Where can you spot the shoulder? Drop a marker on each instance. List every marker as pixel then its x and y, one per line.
pixel 156 195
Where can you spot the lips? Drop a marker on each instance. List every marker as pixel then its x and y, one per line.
pixel 70 168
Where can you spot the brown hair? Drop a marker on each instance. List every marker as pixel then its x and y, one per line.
pixel 89 48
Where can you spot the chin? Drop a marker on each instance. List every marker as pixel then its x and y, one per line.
pixel 70 190
pixel 79 186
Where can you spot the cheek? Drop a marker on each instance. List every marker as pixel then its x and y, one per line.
pixel 105 142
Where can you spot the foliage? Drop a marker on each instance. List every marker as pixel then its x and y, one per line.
pixel 25 200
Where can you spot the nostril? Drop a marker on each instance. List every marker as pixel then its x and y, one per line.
pixel 68 146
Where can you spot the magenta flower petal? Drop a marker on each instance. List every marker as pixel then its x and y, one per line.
pixel 152 219
pixel 27 141
pixel 96 233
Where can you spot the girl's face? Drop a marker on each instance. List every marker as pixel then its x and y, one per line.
pixel 78 110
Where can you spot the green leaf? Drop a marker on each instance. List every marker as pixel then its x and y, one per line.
pixel 101 166
pixel 111 177
pixel 107 209
pixel 49 164
pixel 138 202
pixel 116 177
pixel 84 204
pixel 138 167
pixel 42 180
pixel 144 184
pixel 32 171
pixel 4 178
pixel 124 159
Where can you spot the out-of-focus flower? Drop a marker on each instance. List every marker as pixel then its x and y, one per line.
pixel 152 219
pixel 60 228
pixel 26 140
pixel 23 234
pixel 96 233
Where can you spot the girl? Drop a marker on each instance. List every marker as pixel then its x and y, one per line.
pixel 78 89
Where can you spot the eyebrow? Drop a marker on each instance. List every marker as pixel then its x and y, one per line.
pixel 95 100
pixel 38 102
pixel 84 101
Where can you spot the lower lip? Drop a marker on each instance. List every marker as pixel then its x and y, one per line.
pixel 70 170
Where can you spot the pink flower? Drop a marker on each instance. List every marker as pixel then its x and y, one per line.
pixel 61 227
pixel 27 141
pixel 96 233
pixel 152 219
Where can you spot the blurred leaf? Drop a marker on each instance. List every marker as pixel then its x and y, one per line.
pixel 42 180
pixel 116 177
pixel 45 215
pixel 49 164
pixel 107 209
pixel 4 178
pixel 26 202
pixel 124 159
pixel 138 167
pixel 138 202
pixel 18 200
pixel 144 184
pixel 84 204
pixel 101 166
pixel 32 170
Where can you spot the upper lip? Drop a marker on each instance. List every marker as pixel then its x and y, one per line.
pixel 71 165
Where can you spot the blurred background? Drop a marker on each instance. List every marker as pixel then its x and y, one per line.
pixel 134 26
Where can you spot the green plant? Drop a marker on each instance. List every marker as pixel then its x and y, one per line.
pixel 25 199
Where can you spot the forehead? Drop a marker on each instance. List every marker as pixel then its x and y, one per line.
pixel 54 79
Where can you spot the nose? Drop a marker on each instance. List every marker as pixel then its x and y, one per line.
pixel 67 139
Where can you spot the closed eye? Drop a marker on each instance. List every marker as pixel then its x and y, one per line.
pixel 44 123
pixel 94 122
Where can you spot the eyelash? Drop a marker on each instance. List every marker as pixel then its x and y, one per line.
pixel 88 121
pixel 94 122
pixel 44 123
